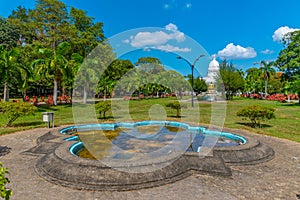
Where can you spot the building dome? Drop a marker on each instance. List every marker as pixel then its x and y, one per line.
pixel 214 65
pixel 213 69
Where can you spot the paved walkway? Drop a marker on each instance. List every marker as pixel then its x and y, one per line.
pixel 276 179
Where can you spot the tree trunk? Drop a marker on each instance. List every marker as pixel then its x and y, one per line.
pixel 104 95
pixel 73 93
pixel 84 94
pixel 55 92
pixel 63 90
pixel 6 93
pixel 266 88
pixel 178 112
pixel 24 94
pixel 70 93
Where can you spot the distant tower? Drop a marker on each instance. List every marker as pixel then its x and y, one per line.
pixel 213 69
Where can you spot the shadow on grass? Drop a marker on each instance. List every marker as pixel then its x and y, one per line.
pixel 28 124
pixel 175 116
pixel 4 150
pixel 249 124
pixel 291 104
pixel 47 108
pixel 108 117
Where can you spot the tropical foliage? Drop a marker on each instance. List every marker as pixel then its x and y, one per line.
pixel 57 38
pixel 5 193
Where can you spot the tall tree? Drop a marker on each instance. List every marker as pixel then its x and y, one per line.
pixel 253 80
pixel 21 18
pixel 70 72
pixel 46 28
pixel 9 34
pixel 148 68
pixel 50 19
pixel 87 34
pixel 266 71
pixel 114 72
pixel 10 68
pixel 52 64
pixel 288 60
pixel 92 68
pixel 275 84
pixel 229 79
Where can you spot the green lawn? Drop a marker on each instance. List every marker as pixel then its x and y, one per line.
pixel 286 124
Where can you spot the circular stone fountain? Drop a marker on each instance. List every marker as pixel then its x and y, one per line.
pixel 62 165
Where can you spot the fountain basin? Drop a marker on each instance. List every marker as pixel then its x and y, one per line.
pixel 60 166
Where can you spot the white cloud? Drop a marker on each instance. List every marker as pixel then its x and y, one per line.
pixel 171 4
pixel 142 39
pixel 157 39
pixel 188 5
pixel 171 48
pixel 171 27
pixel 232 51
pixel 280 32
pixel 267 51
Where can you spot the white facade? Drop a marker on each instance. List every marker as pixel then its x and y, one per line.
pixel 213 69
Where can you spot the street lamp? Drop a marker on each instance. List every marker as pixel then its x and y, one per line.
pixel 192 67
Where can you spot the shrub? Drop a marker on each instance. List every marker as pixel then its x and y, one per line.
pixel 256 96
pixel 256 114
pixel 50 101
pixel 177 106
pixel 277 97
pixel 4 192
pixel 102 107
pixel 15 110
pixel 64 98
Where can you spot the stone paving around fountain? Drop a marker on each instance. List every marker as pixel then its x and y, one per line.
pixel 278 178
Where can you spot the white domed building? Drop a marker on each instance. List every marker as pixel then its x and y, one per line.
pixel 213 70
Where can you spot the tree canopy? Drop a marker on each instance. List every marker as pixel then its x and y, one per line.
pixel 288 60
pixel 229 79
pixel 60 49
pixel 9 34
pixel 59 39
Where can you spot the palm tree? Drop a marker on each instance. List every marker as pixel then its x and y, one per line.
pixel 10 69
pixel 70 72
pixel 52 64
pixel 266 71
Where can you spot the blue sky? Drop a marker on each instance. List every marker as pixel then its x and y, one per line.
pixel 241 31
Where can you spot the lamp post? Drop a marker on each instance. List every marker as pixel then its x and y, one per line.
pixel 192 68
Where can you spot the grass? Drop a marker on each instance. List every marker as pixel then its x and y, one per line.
pixel 63 115
pixel 285 125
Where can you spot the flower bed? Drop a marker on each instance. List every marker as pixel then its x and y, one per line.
pixel 64 99
pixel 273 97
